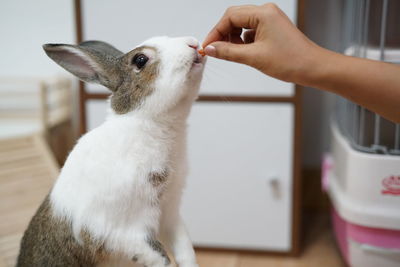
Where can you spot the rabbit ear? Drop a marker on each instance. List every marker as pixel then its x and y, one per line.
pixel 88 64
pixel 102 47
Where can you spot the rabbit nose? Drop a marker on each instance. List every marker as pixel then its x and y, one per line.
pixel 192 42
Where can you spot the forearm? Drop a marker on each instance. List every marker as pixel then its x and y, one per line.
pixel 277 48
pixel 372 84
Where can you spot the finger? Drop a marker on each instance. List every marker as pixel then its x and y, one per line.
pixel 234 36
pixel 248 36
pixel 229 51
pixel 236 39
pixel 234 17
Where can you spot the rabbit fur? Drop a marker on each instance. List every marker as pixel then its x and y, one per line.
pixel 116 201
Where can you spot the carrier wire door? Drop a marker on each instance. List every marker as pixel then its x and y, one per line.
pixel 374 33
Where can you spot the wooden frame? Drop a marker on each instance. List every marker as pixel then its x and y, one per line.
pixel 295 100
pixel 43 114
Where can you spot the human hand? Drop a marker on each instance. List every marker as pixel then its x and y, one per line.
pixel 273 45
pixel 271 42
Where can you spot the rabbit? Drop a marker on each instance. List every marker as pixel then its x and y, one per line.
pixel 116 200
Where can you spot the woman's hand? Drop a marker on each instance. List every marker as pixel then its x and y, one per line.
pixel 271 42
pixel 273 45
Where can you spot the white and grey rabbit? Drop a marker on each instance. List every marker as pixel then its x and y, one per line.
pixel 117 198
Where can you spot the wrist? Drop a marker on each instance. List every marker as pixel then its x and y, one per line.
pixel 316 67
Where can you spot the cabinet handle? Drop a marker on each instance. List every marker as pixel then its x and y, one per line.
pixel 274 185
pixel 273 181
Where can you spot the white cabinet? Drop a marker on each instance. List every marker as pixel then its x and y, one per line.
pixel 24 27
pixel 239 188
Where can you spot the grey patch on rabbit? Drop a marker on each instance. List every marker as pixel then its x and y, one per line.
pixel 135 86
pixel 158 179
pixel 49 241
pixel 102 63
pixel 158 247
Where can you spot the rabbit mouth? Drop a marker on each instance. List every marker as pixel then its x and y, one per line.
pixel 198 59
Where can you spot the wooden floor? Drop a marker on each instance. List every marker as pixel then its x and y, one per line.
pixel 27 173
pixel 319 250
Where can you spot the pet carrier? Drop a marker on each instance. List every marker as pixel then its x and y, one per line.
pixel 362 174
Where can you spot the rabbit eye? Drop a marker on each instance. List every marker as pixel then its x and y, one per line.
pixel 140 60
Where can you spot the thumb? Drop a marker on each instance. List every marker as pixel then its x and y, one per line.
pixel 228 51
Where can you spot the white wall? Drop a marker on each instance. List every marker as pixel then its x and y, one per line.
pixel 25 26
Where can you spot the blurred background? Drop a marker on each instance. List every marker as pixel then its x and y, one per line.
pixel 265 139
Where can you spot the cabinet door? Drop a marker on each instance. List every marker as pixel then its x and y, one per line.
pixel 127 23
pixel 239 189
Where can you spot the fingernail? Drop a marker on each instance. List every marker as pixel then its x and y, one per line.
pixel 210 51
